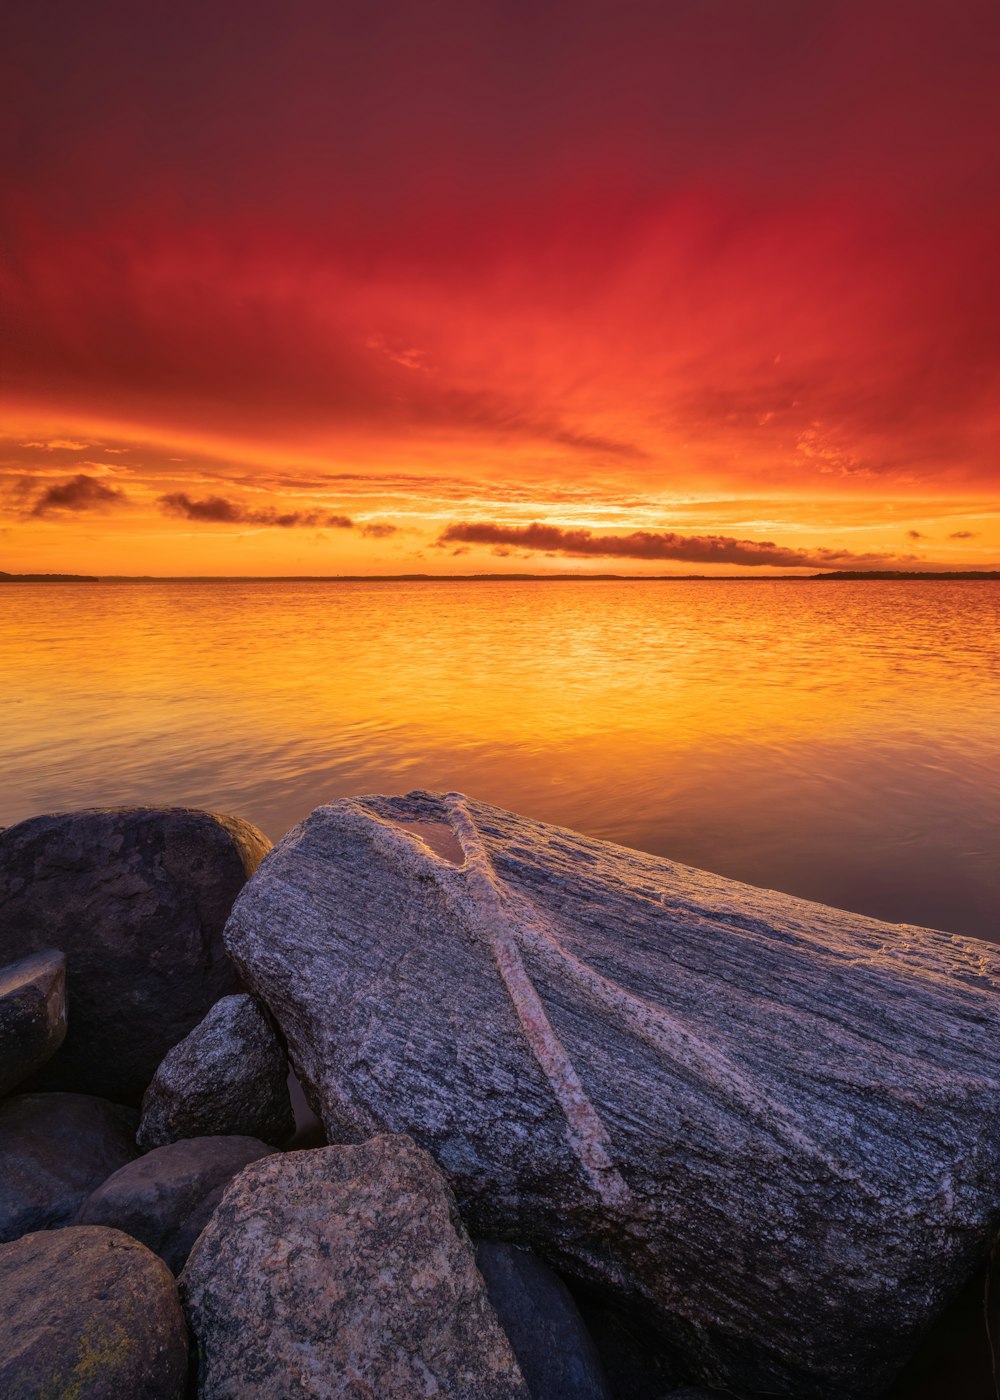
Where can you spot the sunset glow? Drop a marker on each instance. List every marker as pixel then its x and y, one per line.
pixel 460 289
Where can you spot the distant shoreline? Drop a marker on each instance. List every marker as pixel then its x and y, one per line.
pixel 842 576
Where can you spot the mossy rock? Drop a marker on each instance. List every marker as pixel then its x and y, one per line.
pixel 89 1314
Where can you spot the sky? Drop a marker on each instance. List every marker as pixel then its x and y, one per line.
pixel 693 286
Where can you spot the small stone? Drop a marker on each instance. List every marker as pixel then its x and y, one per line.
pixel 32 1015
pixel 341 1273
pixel 166 1198
pixel 89 1314
pixel 55 1149
pixel 136 898
pixel 230 1075
pixel 554 1350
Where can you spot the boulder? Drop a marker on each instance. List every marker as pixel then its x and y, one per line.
pixel 166 1198
pixel 229 1075
pixel 136 898
pixel 768 1129
pixel 32 1015
pixel 343 1272
pixel 55 1149
pixel 89 1314
pixel 554 1350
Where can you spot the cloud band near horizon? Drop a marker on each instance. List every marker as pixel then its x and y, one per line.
pixel 664 545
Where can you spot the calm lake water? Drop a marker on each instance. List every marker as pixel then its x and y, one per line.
pixel 836 740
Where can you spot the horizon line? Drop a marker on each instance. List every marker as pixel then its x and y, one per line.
pixel 516 577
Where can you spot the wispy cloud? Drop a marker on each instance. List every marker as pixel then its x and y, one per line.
pixel 653 545
pixel 218 510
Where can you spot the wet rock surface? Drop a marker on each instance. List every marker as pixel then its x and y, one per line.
pixel 32 1015
pixel 136 898
pixel 768 1129
pixel 229 1075
pixel 55 1149
pixel 554 1350
pixel 343 1272
pixel 166 1198
pixel 89 1314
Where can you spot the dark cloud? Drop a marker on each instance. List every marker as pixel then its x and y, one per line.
pixel 80 493
pixel 915 535
pixel 378 530
pixel 964 535
pixel 217 510
pixel 653 545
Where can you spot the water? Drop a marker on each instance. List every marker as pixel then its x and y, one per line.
pixel 837 740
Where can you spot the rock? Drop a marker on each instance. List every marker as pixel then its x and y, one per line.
pixel 136 898
pixel 32 1015
pixel 634 1368
pixel 769 1129
pixel 694 1392
pixel 554 1350
pixel 229 1075
pixel 55 1149
pixel 166 1198
pixel 89 1314
pixel 343 1272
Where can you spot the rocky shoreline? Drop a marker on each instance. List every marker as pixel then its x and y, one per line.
pixel 433 1100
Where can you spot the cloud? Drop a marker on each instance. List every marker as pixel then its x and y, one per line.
pixel 58 445
pixel 915 535
pixel 217 510
pixel 653 545
pixel 379 530
pixel 964 535
pixel 80 493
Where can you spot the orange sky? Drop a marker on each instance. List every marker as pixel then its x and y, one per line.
pixel 682 287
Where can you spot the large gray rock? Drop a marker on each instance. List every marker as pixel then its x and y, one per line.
pixel 229 1075
pixel 554 1350
pixel 32 1015
pixel 343 1272
pixel 136 898
pixel 166 1198
pixel 768 1128
pixel 55 1149
pixel 89 1314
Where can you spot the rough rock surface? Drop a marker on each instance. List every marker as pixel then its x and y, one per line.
pixel 32 1015
pixel 54 1150
pixel 89 1314
pixel 770 1128
pixel 343 1272
pixel 229 1075
pixel 554 1350
pixel 166 1198
pixel 136 898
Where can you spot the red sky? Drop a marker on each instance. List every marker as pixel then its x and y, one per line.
pixel 692 286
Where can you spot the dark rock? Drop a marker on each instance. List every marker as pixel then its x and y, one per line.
pixel 694 1392
pixel 166 1198
pixel 136 898
pixel 769 1129
pixel 55 1149
pixel 229 1075
pixel 554 1350
pixel 634 1368
pixel 89 1314
pixel 32 1015
pixel 343 1272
